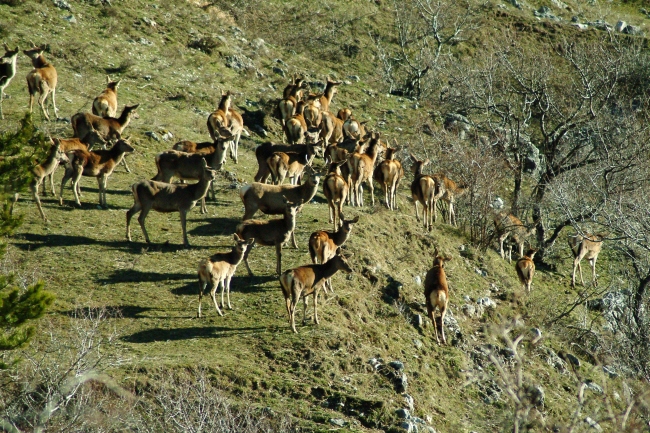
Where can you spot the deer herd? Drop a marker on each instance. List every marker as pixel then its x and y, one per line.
pixel 352 155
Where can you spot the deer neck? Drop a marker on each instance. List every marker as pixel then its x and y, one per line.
pixel 308 190
pixel 326 270
pixel 236 256
pixel 40 62
pixel 124 119
pixel 224 105
pixel 289 222
pixel 200 188
pixel 340 236
pixel 50 164
pixel 329 92
pixel 9 69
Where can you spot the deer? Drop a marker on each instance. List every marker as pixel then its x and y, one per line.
pixel 270 199
pixel 323 244
pixel 436 293
pixel 105 105
pixel 167 197
pixel 218 271
pixel 388 174
pixel 312 112
pixel 326 97
pixel 188 166
pixel 588 247
pixel 7 72
pixel 422 190
pixel 307 280
pixel 447 190
pixel 361 168
pixel 336 190
pixel 353 128
pixel 290 164
pixel 270 232
pixel 507 225
pixel 227 117
pixel 297 129
pixel 94 163
pixel 42 79
pixel 110 128
pixel 287 106
pixel 331 128
pixel 265 150
pixel 55 156
pixel 202 148
pixel 526 269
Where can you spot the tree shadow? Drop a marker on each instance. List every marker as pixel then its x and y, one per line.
pixel 217 226
pixel 118 276
pixel 239 284
pixel 36 241
pixel 159 334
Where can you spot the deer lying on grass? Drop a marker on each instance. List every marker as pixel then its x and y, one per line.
pixel 307 280
pixel 105 105
pixel 7 72
pixel 335 189
pixel 323 244
pixel 588 247
pixel 526 269
pixel 287 106
pixel 188 166
pixel 167 197
pixel 291 164
pixel 218 271
pixel 388 174
pixel 362 166
pixel 55 156
pixel 436 293
pixel 227 118
pixel 447 190
pixel 42 79
pixel 507 225
pixel 96 163
pixel 265 150
pixel 422 190
pixel 270 232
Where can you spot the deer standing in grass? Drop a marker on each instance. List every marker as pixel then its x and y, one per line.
pixel 7 72
pixel 167 197
pixel 96 163
pixel 362 166
pixel 526 269
pixel 227 118
pixel 42 79
pixel 55 156
pixel 218 271
pixel 287 106
pixel 290 164
pixel 588 247
pixel 270 232
pixel 307 280
pixel 335 189
pixel 507 225
pixel 446 190
pixel 436 293
pixel 422 190
pixel 388 174
pixel 105 105
pixel 323 244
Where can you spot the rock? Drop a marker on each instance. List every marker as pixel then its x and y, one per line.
pixel 145 41
pixel 167 136
pixel 487 303
pixel 545 12
pixel 418 344
pixel 481 272
pixel 457 123
pixel 410 402
pixel 354 78
pixel 594 387
pixel 620 26
pixel 418 280
pixel 632 30
pixel 467 299
pixel 497 203
pixel 403 413
pixel 418 322
pixel 593 424
pixel 535 394
pixel 71 19
pixel 149 22
pixel 516 4
pixel 555 361
pixel 397 365
pixel 279 71
pixel 571 359
pixel 452 329
pixel 610 371
pixel 152 135
pixel 338 422
pixel 601 25
pixel 559 4
pixel 401 383
pixel 409 427
pixel 258 43
pixel 281 62
pixel 239 62
pixel 535 335
pixel 62 4
pixel 468 310
pixel 376 363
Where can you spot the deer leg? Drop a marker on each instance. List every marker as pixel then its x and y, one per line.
pixel 201 289
pixel 371 187
pixel 100 187
pixel 56 110
pixel 204 208
pixel 141 218
pixel 248 250
pixel 316 306
pixel 228 291
pixel 35 186
pixel 2 96
pixel 593 271
pixel 430 313
pixel 443 311
pixel 417 211
pixel 278 256
pixel 293 239
pixel 41 102
pixel 295 297
pixel 213 294
pixel 75 181
pixel 186 243
pixel 126 166
pixel 129 214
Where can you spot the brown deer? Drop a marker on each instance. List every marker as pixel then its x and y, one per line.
pixel 323 244
pixel 422 190
pixel 270 233
pixel 7 72
pixel 362 166
pixel 105 105
pixel 291 164
pixel 167 197
pixel 588 247
pixel 96 163
pixel 42 79
pixel 265 150
pixel 55 156
pixel 446 190
pixel 227 118
pixel 526 269
pixel 507 225
pixel 388 174
pixel 307 280
pixel 296 127
pixel 335 189
pixel 287 106
pixel 218 271
pixel 331 128
pixel 436 293
pixel 326 97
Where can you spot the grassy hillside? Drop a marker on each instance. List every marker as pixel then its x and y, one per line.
pixel 174 59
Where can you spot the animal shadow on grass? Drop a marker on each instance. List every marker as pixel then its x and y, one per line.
pixel 215 226
pixel 159 334
pixel 113 312
pixel 34 241
pixel 119 276
pixel 239 284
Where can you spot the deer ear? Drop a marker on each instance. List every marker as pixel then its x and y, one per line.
pixel 426 161
pixel 338 251
pixel 356 219
pixel 236 237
